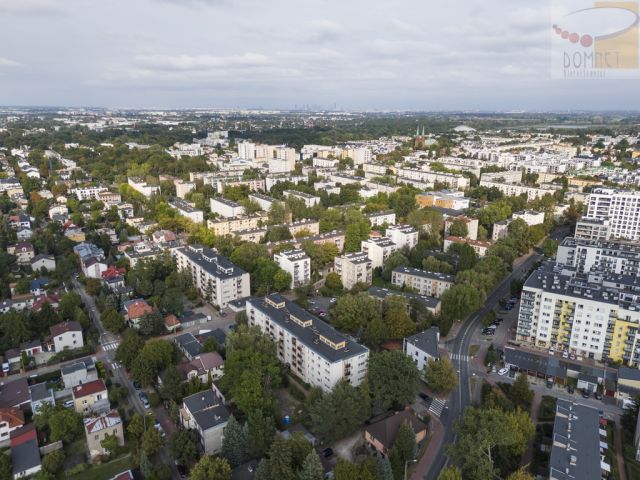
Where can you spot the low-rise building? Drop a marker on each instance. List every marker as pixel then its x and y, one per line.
pixel 187 210
pixel 478 246
pixel 11 419
pixel 500 230
pixel 382 435
pixel 48 262
pixel 430 303
pixel 264 201
pixel 25 458
pixel 422 347
pixel 40 395
pixel 91 397
pixel 378 249
pixel 142 251
pixel 378 219
pixel 444 199
pixel 96 429
pixel 404 236
pixel 309 200
pixel 433 284
pixel 297 264
pixel 354 268
pixel 77 373
pixel 135 310
pixel 530 217
pixel 228 226
pixel 206 414
pixel 316 352
pixel 66 335
pixel 143 187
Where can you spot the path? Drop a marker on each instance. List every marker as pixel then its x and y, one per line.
pixel 622 472
pixel 437 433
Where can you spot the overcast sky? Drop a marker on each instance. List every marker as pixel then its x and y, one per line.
pixel 356 54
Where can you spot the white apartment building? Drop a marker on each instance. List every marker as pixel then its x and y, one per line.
pixel 182 188
pixel 264 201
pixel 516 189
pixel 309 200
pixel 433 284
pixel 359 155
pixel 599 256
pixel 620 208
pixel 187 209
pixel 531 217
pixel 142 251
pixel 404 236
pixel 451 180
pixel 87 193
pixel 478 246
pixel 247 150
pixel 297 264
pixel 378 250
pixel 354 268
pixel 593 229
pixel 325 162
pixel 226 208
pixel 591 315
pixel 143 187
pixel 281 165
pixel 471 223
pixel 380 218
pixel 422 347
pixel 314 351
pixel 216 278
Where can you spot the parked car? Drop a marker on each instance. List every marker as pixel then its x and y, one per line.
pixel 137 385
pixel 586 393
pixel 549 382
pixel 144 399
pixel 327 452
pixel 68 404
pixel 424 396
pixel 565 354
pixel 598 396
pixel 551 351
pixel 570 389
pixel 503 371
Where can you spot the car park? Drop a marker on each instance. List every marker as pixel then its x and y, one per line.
pixel 503 371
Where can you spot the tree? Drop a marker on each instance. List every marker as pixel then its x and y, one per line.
pixel 52 462
pixel 234 442
pixel 251 369
pixel 393 380
pixel 520 393
pixel 171 388
pixel 155 355
pixel 136 427
pixel 521 474
pixel 261 429
pixel 263 470
pixel 210 468
pixel 112 321
pixel 550 247
pixel 467 256
pixel 110 444
pixel 352 312
pixel 151 324
pixel 281 280
pixel 519 233
pixel 458 228
pixel 182 446
pixel 355 233
pixel 6 472
pixel 441 375
pixel 405 443
pixel 333 282
pixel 459 301
pixel 145 465
pixel 129 348
pixel 65 425
pixel 280 459
pixel 172 301
pixel 152 441
pixel 92 286
pixel 246 256
pixel 396 259
pixel 491 358
pixel 450 473
pixel 396 317
pixel 300 448
pixel 312 468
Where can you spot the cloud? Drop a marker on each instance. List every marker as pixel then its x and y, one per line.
pixel 31 7
pixel 200 62
pixel 5 62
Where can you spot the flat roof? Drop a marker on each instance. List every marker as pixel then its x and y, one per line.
pixel 416 272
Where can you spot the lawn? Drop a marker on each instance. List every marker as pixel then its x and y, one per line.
pixel 473 350
pixel 104 470
pixel 547 411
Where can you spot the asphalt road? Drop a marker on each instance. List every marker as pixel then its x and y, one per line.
pixel 119 374
pixel 461 397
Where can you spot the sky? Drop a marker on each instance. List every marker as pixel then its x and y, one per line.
pixel 351 54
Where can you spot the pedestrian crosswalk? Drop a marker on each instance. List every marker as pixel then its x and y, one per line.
pixel 462 358
pixel 437 406
pixel 110 346
pixel 116 365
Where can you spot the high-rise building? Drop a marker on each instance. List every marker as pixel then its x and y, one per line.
pixel 620 208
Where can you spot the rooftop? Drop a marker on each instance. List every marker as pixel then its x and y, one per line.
pixel 444 277
pixel 89 388
pixel 210 261
pixel 426 341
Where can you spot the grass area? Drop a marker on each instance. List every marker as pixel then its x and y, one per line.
pixel 547 410
pixel 104 470
pixel 473 350
pixel 632 467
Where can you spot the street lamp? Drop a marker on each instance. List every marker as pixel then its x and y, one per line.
pixel 405 467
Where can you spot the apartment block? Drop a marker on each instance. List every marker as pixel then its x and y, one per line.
pixel 404 236
pixel 264 201
pixel 517 189
pixel 607 257
pixel 187 209
pixel 309 200
pixel 445 199
pixel 228 226
pixel 530 217
pixel 422 347
pixel 594 315
pixel 217 279
pixel 88 193
pixel 182 188
pixel 314 351
pixel 143 187
pixel 620 208
pixel 433 284
pixel 378 250
pixel 297 264
pixel 471 223
pixel 226 208
pixel 354 268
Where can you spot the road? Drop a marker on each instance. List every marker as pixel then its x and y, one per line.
pixel 458 348
pixel 109 342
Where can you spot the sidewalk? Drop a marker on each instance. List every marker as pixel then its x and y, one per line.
pixel 437 434
pixel 622 473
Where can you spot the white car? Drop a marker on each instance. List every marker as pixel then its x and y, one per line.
pixel 503 371
pixel 565 354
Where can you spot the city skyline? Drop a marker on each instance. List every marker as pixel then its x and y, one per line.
pixel 462 56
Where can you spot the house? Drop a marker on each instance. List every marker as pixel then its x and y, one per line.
pixel 77 373
pixel 171 323
pixel 96 429
pixel 23 251
pixel 48 262
pixel 188 345
pixel 91 397
pixel 422 347
pixel 11 419
pixel 39 302
pixel 31 348
pixel 206 365
pixel 381 435
pixel 205 413
pixel 25 458
pixel 24 234
pixel 66 335
pixel 38 286
pixel 40 395
pixel 136 309
pixel 93 267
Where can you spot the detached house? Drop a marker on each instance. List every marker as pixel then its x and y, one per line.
pixel 91 397
pixel 11 419
pixel 66 335
pixel 23 251
pixel 136 309
pixel 48 262
pixel 382 435
pixel 205 413
pixel 96 429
